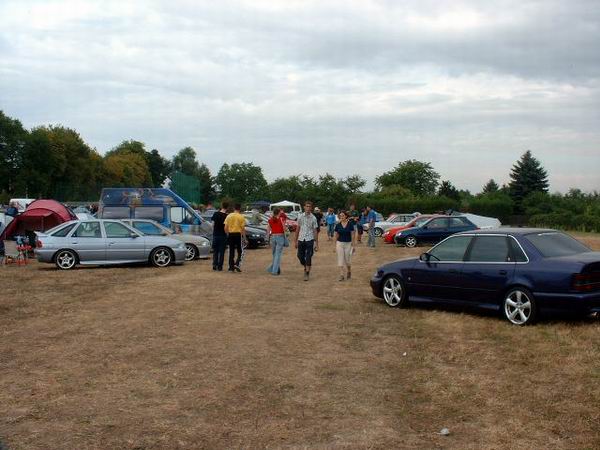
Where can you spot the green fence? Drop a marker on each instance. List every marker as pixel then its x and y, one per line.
pixel 186 187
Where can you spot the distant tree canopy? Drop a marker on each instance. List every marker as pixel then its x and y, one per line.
pixel 418 177
pixel 55 162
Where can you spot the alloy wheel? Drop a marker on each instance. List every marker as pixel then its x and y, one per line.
pixel 411 241
pixel 518 307
pixel 161 257
pixel 190 252
pixel 65 260
pixel 393 293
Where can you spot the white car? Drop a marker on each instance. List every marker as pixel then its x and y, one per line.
pixel 397 220
pixel 197 247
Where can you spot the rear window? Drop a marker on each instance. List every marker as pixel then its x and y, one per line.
pixel 64 231
pixel 556 244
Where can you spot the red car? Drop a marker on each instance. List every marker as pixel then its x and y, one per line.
pixel 388 236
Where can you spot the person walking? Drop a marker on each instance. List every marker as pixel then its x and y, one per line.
pixel 219 236
pixel 360 225
pixel 278 240
pixel 371 219
pixel 345 237
pixel 330 220
pixel 235 227
pixel 307 238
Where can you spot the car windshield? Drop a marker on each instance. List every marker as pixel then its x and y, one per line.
pixel 556 244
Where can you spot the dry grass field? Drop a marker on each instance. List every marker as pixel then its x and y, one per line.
pixel 183 358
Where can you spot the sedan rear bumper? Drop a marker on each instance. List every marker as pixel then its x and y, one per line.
pixel 44 255
pixel 583 302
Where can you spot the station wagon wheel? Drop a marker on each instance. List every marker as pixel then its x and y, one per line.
pixel 519 306
pixel 161 257
pixel 65 259
pixel 378 232
pixel 393 291
pixel 191 252
pixel 410 241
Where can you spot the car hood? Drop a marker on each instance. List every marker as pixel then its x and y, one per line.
pixel 403 262
pixel 255 230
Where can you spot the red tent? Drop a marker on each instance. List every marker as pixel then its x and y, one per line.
pixel 40 215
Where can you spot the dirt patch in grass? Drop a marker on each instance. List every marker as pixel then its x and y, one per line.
pixel 141 358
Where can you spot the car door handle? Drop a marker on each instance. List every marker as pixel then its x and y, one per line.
pixel 503 272
pixel 452 270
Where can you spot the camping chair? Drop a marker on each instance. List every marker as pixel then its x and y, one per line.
pixel 14 253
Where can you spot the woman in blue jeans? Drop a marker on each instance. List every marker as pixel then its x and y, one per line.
pixel 276 231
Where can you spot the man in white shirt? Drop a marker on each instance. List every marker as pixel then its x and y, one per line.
pixel 307 238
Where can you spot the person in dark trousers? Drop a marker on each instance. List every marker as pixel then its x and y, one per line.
pixel 307 238
pixel 235 227
pixel 219 236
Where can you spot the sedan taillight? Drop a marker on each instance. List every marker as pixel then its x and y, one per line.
pixel 38 243
pixel 586 282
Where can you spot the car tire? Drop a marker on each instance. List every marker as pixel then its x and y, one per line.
pixel 519 307
pixel 394 292
pixel 378 232
pixel 410 241
pixel 191 252
pixel 66 259
pixel 161 257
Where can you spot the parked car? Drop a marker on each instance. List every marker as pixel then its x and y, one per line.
pixel 196 247
pixel 390 234
pixel 105 242
pixel 397 220
pixel 256 236
pixel 434 230
pixel 517 271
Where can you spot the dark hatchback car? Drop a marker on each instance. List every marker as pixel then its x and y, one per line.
pixel 434 230
pixel 519 272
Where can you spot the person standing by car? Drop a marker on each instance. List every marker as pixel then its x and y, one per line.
pixel 235 227
pixel 307 238
pixel 345 237
pixel 362 220
pixel 276 231
pixel 330 220
pixel 219 236
pixel 371 219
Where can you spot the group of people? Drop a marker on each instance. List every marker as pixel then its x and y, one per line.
pixel 366 216
pixel 345 228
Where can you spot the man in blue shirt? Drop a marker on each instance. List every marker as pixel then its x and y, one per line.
pixel 371 219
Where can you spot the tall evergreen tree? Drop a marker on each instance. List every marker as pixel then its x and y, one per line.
pixel 447 189
pixel 490 186
pixel 527 176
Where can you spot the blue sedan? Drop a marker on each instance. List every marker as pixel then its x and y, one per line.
pixel 519 272
pixel 434 230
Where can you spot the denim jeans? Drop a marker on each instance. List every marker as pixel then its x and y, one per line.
pixel 277 248
pixel 219 244
pixel 371 242
pixel 330 229
pixel 305 252
pixel 235 244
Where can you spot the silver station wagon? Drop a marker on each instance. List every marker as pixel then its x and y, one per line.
pixel 100 242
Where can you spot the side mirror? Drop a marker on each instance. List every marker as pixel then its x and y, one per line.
pixel 424 227
pixel 133 235
pixel 424 257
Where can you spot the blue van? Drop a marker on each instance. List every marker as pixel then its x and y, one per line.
pixel 159 204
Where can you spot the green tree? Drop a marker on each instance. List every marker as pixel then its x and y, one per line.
pixel 419 177
pixel 447 189
pixel 207 183
pixel 185 161
pixel 354 183
pixel 527 176
pixel 490 186
pixel 12 141
pixel 158 166
pixel 241 181
pixel 288 188
pixel 127 170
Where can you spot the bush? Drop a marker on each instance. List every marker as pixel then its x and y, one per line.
pixel 496 204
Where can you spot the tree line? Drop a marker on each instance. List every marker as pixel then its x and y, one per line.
pixel 55 162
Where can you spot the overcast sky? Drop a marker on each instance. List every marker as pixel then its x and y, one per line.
pixel 308 87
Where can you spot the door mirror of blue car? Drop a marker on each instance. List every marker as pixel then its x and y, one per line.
pixel 424 257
